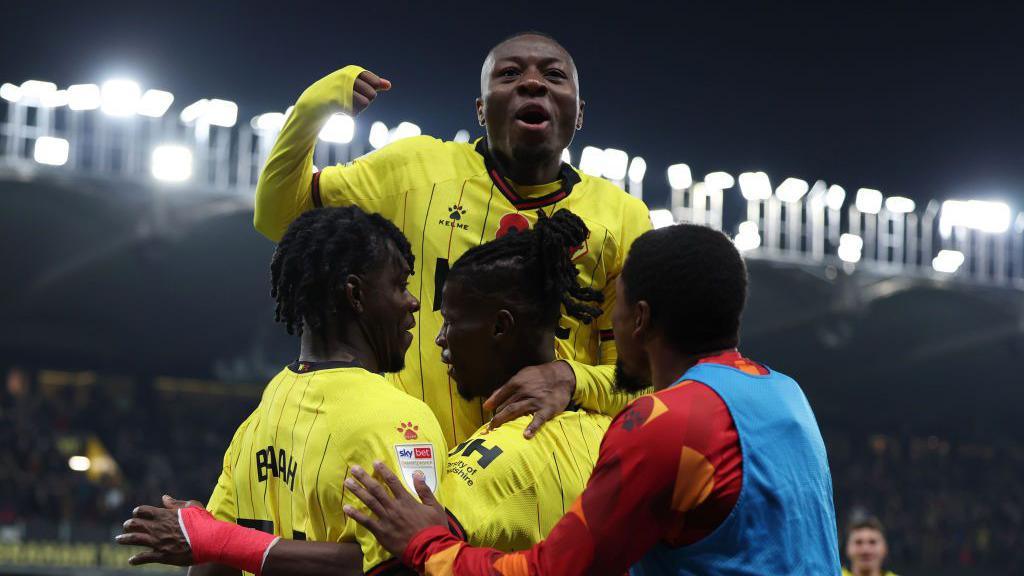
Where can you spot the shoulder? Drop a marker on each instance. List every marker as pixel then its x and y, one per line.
pixel 689 405
pixel 367 406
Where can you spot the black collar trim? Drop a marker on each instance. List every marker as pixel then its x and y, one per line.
pixel 568 176
pixel 306 367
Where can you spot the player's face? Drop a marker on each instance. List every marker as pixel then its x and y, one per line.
pixel 529 98
pixel 632 371
pixel 467 344
pixel 388 313
pixel 866 548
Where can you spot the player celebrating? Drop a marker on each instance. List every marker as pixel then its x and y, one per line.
pixel 721 471
pixel 866 548
pixel 448 197
pixel 501 307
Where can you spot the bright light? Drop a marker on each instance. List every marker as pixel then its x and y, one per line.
pixel 462 136
pixel 83 97
pixel 222 113
pixel 755 186
pixel 378 135
pixel 835 197
pixel 748 238
pixel 615 164
pixel 51 151
pixel 791 189
pixel 869 201
pixel 269 122
pixel 679 176
pixel 155 103
pixel 195 111
pixel 172 163
pixel 79 463
pixel 948 261
pixel 850 247
pixel 637 169
pixel 10 92
pixel 34 91
pixel 339 129
pixel 404 130
pixel 662 218
pixel 720 180
pixel 120 97
pixel 899 204
pixel 54 99
pixel 592 161
pixel 566 156
pixel 981 215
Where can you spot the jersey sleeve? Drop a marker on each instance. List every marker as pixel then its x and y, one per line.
pixel 625 510
pixel 595 385
pixel 377 441
pixel 283 191
pixel 222 503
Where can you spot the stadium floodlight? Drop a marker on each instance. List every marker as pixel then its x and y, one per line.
pixel 869 201
pixel 566 156
pixel 835 197
pixel 54 99
pixel 662 218
pixel 615 164
pixel 222 113
pixel 755 186
pixel 403 130
pixel 155 103
pixel 339 129
pixel 719 180
pixel 791 189
pixel 194 111
pixel 34 91
pixel 269 122
pixel 986 216
pixel 680 176
pixel 10 92
pixel 51 151
pixel 79 463
pixel 378 135
pixel 850 246
pixel 637 169
pixel 120 97
pixel 899 204
pixel 172 163
pixel 84 97
pixel 592 161
pixel 748 238
pixel 462 136
pixel 948 261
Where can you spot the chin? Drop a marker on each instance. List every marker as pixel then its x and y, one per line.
pixel 626 382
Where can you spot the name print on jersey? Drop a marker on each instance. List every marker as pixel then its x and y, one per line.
pixel 277 462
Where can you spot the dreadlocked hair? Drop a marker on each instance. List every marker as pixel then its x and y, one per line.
pixel 318 252
pixel 533 270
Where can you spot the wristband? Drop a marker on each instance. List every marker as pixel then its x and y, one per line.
pixel 222 542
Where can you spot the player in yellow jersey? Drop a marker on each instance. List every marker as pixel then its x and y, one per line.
pixel 866 548
pixel 501 307
pixel 448 197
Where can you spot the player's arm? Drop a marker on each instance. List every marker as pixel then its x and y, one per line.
pixel 623 512
pixel 285 187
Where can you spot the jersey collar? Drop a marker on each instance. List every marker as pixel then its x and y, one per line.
pixel 568 177
pixel 300 367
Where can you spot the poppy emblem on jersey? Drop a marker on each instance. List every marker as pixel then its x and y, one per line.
pixel 408 430
pixel 454 220
pixel 512 221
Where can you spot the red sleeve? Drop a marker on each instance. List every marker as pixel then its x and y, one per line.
pixel 624 511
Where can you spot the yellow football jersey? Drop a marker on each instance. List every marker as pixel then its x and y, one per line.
pixel 448 197
pixel 285 469
pixel 507 492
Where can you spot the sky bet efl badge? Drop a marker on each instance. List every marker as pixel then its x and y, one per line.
pixel 413 457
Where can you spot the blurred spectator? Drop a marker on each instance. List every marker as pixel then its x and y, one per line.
pixel 866 548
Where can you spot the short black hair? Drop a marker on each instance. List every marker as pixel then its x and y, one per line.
pixel 694 281
pixel 522 33
pixel 532 270
pixel 319 251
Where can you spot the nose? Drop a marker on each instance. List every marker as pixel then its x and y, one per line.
pixel 441 338
pixel 414 304
pixel 532 84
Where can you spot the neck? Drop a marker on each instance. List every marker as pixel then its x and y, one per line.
pixel 326 348
pixel 528 172
pixel 668 365
pixel 867 571
pixel 531 352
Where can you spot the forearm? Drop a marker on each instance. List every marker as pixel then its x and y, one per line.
pixel 299 558
pixel 283 190
pixel 595 389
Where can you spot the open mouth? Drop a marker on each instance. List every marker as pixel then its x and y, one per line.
pixel 533 116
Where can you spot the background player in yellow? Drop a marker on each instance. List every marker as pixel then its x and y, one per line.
pixel 340 278
pixel 448 197
pixel 501 309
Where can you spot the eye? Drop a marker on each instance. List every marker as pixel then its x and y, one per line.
pixel 556 73
pixel 508 72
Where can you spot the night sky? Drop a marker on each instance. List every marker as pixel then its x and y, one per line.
pixel 918 99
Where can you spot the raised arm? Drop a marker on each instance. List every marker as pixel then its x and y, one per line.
pixel 284 190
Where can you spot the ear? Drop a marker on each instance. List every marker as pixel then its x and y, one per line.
pixel 504 323
pixel 480 111
pixel 642 329
pixel 579 115
pixel 354 293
